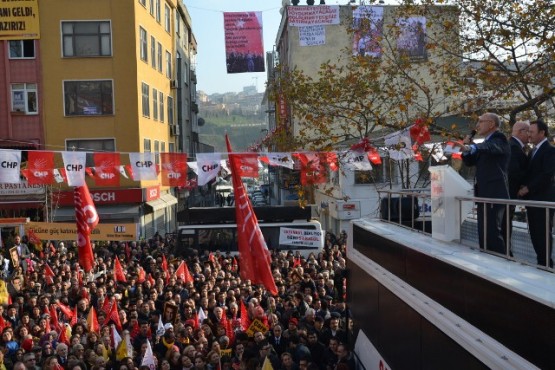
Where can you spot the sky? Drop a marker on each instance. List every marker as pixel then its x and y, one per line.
pixel 208 28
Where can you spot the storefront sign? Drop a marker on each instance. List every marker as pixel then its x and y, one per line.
pixel 102 196
pixel 68 231
pixel 23 188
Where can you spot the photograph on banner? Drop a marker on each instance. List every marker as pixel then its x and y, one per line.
pixel 368 31
pixel 412 37
pixel 244 46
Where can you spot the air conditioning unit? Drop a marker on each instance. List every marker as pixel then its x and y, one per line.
pixel 174 84
pixel 174 130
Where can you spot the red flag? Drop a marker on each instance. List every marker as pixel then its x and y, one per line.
pixel 119 274
pixel 40 165
pixel 106 167
pixel 92 321
pixel 312 170
pixel 107 306
pixel 48 274
pixel 330 158
pixel 33 238
pixel 183 273
pixel 296 262
pixel 243 32
pixel 114 316
pixel 174 169
pixel 234 265
pixel 165 268
pixel 65 310
pixel 248 165
pixel 244 316
pixel 419 132
pixel 255 257
pixel 141 275
pixel 54 317
pixel 150 279
pixel 374 156
pixel 86 218
pixel 63 338
pixel 75 317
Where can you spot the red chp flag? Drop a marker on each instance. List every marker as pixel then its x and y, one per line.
pixel 106 167
pixel 174 169
pixel 255 257
pixel 40 166
pixel 87 219
pixel 119 275
pixel 248 166
pixel 312 169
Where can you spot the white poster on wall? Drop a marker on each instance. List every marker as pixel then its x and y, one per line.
pixel 312 35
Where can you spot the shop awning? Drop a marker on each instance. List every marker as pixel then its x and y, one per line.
pixel 22 201
pixel 156 204
pixel 169 199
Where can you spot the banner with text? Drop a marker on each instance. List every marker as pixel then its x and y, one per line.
pixel 313 15
pixel 244 45
pixel 312 35
pixel 68 231
pixel 306 238
pixel 19 20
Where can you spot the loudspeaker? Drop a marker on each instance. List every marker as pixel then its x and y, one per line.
pixel 407 213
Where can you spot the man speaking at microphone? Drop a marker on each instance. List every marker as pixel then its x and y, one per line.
pixel 491 158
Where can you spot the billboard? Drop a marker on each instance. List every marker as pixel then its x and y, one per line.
pixel 19 20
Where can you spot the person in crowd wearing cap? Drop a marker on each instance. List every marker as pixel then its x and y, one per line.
pixel 292 328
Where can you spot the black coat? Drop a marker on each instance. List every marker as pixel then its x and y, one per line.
pixel 491 159
pixel 540 176
pixel 517 167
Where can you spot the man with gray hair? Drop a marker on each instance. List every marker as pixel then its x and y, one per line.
pixel 491 159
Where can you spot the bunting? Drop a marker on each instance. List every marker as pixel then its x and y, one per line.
pixel 106 168
pixel 74 166
pixel 208 166
pixel 174 169
pixel 40 166
pixel 11 166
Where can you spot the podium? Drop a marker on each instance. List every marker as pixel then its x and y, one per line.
pixel 446 210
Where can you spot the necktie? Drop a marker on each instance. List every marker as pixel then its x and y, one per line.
pixel 534 152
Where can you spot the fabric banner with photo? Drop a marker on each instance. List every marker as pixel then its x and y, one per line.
pixel 412 37
pixel 74 166
pixel 244 46
pixel 174 169
pixel 208 167
pixel 106 168
pixel 10 166
pixel 143 166
pixel 399 145
pixel 322 15
pixel 368 31
pixel 312 35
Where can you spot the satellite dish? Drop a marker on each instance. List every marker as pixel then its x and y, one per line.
pixel 200 121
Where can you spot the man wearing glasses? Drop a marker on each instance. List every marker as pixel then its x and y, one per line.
pixel 30 361
pixel 491 158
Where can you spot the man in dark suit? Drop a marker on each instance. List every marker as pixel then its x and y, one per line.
pixel 518 165
pixel 540 185
pixel 491 158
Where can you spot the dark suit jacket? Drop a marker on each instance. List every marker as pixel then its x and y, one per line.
pixel 491 159
pixel 540 176
pixel 517 167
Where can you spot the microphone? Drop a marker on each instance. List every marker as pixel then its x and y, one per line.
pixel 472 134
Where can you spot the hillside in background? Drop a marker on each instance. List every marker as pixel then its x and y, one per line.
pixel 238 114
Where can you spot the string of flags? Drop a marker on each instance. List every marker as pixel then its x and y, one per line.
pixel 171 169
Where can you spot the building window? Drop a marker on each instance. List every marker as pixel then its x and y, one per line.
pixel 167 19
pixel 151 7
pixel 143 2
pixel 160 57
pixel 158 11
pixel 171 147
pixel 91 145
pixel 379 173
pixel 24 98
pixel 157 151
pixel 163 147
pixel 146 99
pixel 155 104
pixel 177 24
pixel 161 100
pixel 168 64
pixel 146 145
pixel 144 45
pixel 153 51
pixel 87 39
pixel 88 98
pixel 22 49
pixel 170 110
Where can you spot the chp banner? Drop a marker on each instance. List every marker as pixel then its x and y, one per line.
pixel 244 45
pixel 74 165
pixel 174 169
pixel 10 165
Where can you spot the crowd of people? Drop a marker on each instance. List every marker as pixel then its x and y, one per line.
pixel 214 321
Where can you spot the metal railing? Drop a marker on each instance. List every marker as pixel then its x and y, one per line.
pixel 398 215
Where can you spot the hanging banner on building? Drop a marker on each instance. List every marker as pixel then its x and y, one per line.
pixel 208 167
pixel 174 169
pixel 143 166
pixel 412 37
pixel 307 238
pixel 244 46
pixel 312 35
pixel 74 165
pixel 368 31
pixel 313 15
pixel 68 231
pixel 106 169
pixel 19 20
pixel 10 165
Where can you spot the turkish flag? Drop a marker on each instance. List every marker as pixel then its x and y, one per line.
pixel 48 275
pixel 245 322
pixel 119 274
pixel 183 273
pixel 248 165
pixel 75 316
pixel 33 238
pixel 39 167
pixel 255 257
pixel 244 44
pixel 114 316
pixel 54 317
pixel 419 132
pixel 87 219
pixel 106 167
pixel 174 169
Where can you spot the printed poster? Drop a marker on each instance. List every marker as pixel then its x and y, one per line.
pixel 312 35
pixel 368 31
pixel 412 37
pixel 244 44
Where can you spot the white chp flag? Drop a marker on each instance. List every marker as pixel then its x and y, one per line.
pixel 10 165
pixel 160 330
pixel 280 159
pixel 201 316
pixel 74 164
pixel 143 166
pixel 208 167
pixel 193 166
pixel 148 359
pixel 356 160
